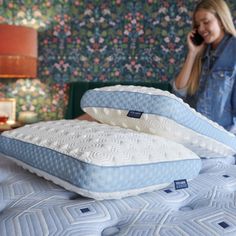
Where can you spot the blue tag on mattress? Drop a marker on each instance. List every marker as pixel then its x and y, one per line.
pixel 135 114
pixel 167 191
pixel 84 210
pixel 226 176
pixel 223 224
pixel 180 184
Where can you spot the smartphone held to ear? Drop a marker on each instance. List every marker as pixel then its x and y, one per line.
pixel 197 39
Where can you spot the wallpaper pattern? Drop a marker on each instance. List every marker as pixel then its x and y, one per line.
pixel 113 40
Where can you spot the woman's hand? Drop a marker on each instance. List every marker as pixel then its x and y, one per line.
pixel 182 79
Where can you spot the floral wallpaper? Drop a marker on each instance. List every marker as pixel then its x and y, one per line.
pixel 95 40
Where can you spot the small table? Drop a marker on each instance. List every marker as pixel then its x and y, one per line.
pixel 5 127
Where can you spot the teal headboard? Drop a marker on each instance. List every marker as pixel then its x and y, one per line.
pixel 77 89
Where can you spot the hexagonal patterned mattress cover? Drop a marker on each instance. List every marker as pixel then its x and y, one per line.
pixel 32 206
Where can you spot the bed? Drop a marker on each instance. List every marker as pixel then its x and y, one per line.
pixel 31 205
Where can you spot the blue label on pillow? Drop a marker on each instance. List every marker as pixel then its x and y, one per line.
pixel 135 114
pixel 180 184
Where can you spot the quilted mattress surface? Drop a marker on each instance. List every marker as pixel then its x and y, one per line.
pixel 31 206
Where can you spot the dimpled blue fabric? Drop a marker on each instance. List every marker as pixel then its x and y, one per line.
pixel 97 178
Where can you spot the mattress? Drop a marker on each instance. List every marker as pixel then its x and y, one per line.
pixel 32 206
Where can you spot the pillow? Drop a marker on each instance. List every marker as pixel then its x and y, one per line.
pixel 161 113
pixel 97 160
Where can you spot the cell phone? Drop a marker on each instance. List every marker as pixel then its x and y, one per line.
pixel 197 39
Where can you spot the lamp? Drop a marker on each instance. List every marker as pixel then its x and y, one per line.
pixel 18 51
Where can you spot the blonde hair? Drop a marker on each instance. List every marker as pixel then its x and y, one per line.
pixel 221 10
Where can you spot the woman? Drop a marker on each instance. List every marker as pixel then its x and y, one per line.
pixel 207 79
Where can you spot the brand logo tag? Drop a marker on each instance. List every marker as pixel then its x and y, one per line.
pixel 135 114
pixel 180 184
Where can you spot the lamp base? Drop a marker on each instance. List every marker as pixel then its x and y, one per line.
pixel 28 117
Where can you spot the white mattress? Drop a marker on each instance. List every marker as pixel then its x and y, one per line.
pixel 31 206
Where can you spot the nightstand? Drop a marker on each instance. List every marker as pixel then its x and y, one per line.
pixel 5 127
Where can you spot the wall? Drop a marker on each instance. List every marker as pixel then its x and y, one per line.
pixel 97 41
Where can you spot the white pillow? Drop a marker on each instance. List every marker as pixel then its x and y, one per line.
pixel 97 160
pixel 158 112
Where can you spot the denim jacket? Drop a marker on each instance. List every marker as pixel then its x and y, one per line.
pixel 216 95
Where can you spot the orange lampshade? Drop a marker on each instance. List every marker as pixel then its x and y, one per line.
pixel 18 51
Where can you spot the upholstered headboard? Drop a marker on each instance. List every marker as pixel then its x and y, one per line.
pixel 77 89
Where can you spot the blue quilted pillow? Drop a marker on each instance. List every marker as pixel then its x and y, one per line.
pixel 96 160
pixel 158 112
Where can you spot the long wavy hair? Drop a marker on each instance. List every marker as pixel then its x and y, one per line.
pixel 221 10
